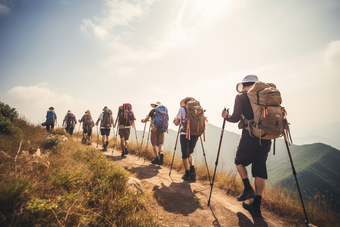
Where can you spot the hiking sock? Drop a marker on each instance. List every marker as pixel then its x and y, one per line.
pixel 257 202
pixel 247 185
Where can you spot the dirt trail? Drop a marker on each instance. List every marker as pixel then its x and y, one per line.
pixel 181 203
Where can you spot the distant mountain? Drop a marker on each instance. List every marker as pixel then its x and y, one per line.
pixel 316 139
pixel 317 167
pixel 317 164
pixel 327 134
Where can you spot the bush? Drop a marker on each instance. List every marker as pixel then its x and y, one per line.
pixel 50 143
pixel 8 118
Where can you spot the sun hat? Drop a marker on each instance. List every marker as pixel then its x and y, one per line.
pixel 247 79
pixel 51 108
pixel 88 112
pixel 182 103
pixel 69 111
pixel 154 105
pixel 105 107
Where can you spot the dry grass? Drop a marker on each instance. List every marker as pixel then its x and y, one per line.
pixel 80 188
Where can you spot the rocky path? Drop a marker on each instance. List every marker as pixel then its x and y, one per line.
pixel 181 203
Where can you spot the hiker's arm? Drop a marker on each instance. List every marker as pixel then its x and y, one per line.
pixel 75 119
pixel 112 122
pixel 236 116
pixel 97 121
pixel 177 121
pixel 146 119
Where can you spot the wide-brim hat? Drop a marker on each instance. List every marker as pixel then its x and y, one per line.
pixel 182 103
pixel 69 111
pixel 247 79
pixel 51 108
pixel 88 112
pixel 154 105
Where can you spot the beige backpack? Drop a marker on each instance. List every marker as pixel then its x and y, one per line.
pixel 269 117
pixel 195 118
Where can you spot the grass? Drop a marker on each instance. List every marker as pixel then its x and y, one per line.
pixel 80 188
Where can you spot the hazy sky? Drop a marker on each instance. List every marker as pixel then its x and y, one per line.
pixel 85 54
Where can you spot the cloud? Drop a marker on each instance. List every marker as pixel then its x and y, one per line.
pixel 332 54
pixel 42 84
pixel 4 10
pixel 33 102
pixel 191 20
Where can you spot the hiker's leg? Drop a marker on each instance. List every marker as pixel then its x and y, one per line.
pixel 155 150
pixel 71 131
pixel 122 143
pixel 154 142
pixel 241 169
pixel 186 164
pixel 260 184
pixel 192 144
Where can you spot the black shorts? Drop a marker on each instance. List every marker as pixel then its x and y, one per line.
pixel 187 146
pixel 88 132
pixel 105 131
pixel 249 151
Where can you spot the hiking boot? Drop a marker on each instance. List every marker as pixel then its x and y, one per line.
pixel 104 149
pixel 161 156
pixel 126 150
pixel 246 195
pixel 192 173
pixel 122 155
pixel 186 176
pixel 155 160
pixel 253 211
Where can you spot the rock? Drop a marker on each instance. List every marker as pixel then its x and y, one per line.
pixel 134 185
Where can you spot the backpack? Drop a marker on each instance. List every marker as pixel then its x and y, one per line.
pixel 107 114
pixel 126 116
pixel 195 118
pixel 50 117
pixel 87 122
pixel 161 119
pixel 269 117
pixel 70 120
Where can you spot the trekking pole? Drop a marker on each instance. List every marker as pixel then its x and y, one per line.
pixel 97 137
pixel 134 125
pixel 113 129
pixel 294 173
pixel 141 144
pixel 147 141
pixel 205 160
pixel 173 156
pixel 218 155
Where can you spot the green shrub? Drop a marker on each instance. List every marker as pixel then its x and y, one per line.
pixel 67 179
pixel 11 194
pixel 50 143
pixel 8 118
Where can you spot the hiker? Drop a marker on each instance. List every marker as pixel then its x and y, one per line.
pixel 188 142
pixel 106 120
pixel 51 119
pixel 251 150
pixel 70 121
pixel 126 119
pixel 158 128
pixel 87 127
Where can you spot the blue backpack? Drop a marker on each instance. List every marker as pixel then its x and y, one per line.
pixel 50 117
pixel 161 119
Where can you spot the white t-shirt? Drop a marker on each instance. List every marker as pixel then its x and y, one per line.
pixel 182 115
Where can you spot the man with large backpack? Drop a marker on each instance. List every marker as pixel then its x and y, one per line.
pixel 251 150
pixel 87 127
pixel 159 124
pixel 106 120
pixel 191 119
pixel 125 119
pixel 51 119
pixel 70 121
